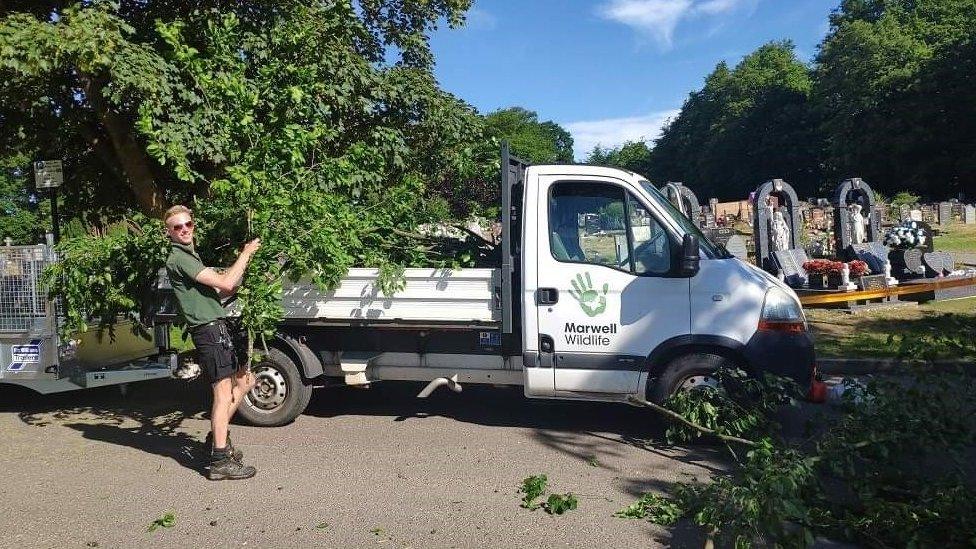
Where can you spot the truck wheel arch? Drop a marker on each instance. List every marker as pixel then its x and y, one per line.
pixel 668 351
pixel 672 348
pixel 309 364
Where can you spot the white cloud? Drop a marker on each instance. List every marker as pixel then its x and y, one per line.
pixel 614 132
pixel 480 19
pixel 658 19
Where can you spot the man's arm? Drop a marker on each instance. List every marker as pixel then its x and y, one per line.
pixel 227 282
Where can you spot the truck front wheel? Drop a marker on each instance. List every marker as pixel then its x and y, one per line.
pixel 685 373
pixel 280 394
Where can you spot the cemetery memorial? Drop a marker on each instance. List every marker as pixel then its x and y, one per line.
pixel 685 200
pixel 857 227
pixel 776 227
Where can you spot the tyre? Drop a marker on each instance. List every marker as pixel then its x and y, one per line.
pixel 280 394
pixel 685 373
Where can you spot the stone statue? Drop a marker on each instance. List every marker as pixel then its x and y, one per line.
pixel 780 231
pixel 858 224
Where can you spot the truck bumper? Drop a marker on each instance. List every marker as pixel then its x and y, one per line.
pixel 786 354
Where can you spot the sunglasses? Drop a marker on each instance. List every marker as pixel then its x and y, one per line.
pixel 180 226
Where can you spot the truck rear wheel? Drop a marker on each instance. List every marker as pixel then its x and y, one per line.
pixel 685 373
pixel 280 394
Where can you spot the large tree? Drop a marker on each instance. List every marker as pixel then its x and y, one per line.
pixel 537 142
pixel 632 155
pixel 748 124
pixel 315 125
pixel 896 89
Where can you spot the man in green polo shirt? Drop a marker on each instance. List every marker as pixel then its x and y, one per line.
pixel 198 290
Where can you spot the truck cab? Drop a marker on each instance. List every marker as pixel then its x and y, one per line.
pixel 623 294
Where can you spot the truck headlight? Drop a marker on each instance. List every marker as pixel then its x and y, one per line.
pixel 781 312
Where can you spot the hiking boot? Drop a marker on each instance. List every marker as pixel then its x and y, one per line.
pixel 230 469
pixel 234 452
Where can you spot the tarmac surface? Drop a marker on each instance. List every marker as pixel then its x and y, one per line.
pixel 361 468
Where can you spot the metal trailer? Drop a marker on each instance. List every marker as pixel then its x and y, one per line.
pixel 32 353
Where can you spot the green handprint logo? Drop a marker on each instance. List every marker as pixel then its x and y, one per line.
pixel 591 301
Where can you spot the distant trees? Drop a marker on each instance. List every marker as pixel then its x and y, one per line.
pixel 891 97
pixel 748 124
pixel 896 94
pixel 534 141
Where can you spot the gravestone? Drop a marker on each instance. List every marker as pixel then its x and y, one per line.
pixel 915 215
pixel 720 235
pixel 929 214
pixel 929 244
pixel 945 213
pixel 790 264
pixel 884 214
pixel 709 220
pixel 875 254
pixel 957 209
pixel 738 247
pixel 818 219
pixel 969 215
pixel 685 200
pixel 772 197
pixel 851 194
pixel 904 212
pixel 713 206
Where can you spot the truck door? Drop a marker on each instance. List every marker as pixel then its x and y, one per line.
pixel 604 300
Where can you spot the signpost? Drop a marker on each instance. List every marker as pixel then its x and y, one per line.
pixel 49 174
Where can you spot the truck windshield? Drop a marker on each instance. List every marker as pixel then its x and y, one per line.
pixel 712 251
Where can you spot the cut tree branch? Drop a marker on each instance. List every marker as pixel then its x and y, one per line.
pixel 673 416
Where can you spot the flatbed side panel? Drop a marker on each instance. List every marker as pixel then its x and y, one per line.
pixel 462 376
pixel 462 295
pixel 331 339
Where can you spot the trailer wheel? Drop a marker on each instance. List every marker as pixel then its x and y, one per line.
pixel 280 394
pixel 685 373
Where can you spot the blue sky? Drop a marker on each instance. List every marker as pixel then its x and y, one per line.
pixel 610 70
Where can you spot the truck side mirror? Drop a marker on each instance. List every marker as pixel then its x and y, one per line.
pixel 688 263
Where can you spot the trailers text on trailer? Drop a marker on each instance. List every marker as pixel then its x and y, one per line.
pixel 604 291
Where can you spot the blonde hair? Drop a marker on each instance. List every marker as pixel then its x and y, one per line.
pixel 176 210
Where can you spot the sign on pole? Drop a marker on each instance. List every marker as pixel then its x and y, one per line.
pixel 48 174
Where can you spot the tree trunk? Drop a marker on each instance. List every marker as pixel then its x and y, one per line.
pixel 133 160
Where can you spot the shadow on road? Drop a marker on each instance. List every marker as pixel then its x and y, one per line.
pixel 147 419
pixel 589 431
pixel 150 416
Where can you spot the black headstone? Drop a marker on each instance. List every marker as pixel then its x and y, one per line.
pixel 790 263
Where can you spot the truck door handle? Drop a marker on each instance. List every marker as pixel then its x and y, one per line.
pixel 547 296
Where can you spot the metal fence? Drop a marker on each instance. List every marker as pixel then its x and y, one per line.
pixel 23 302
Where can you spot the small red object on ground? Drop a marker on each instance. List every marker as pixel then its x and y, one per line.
pixel 818 391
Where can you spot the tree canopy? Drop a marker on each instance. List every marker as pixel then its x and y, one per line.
pixel 537 142
pixel 888 98
pixel 748 124
pixel 316 126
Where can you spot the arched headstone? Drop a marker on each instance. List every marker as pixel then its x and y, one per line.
pixel 850 192
pixel 764 219
pixel 685 200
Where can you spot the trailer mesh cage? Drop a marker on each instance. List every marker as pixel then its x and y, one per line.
pixel 23 302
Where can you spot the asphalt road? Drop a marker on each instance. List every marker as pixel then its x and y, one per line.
pixel 373 468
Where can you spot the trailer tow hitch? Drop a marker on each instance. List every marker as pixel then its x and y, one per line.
pixel 451 382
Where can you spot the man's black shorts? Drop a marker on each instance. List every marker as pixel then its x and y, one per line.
pixel 215 350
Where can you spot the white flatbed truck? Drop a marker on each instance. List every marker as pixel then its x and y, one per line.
pixel 604 291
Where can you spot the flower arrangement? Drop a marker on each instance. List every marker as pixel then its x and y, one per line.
pixel 906 236
pixel 823 267
pixel 828 267
pixel 859 268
